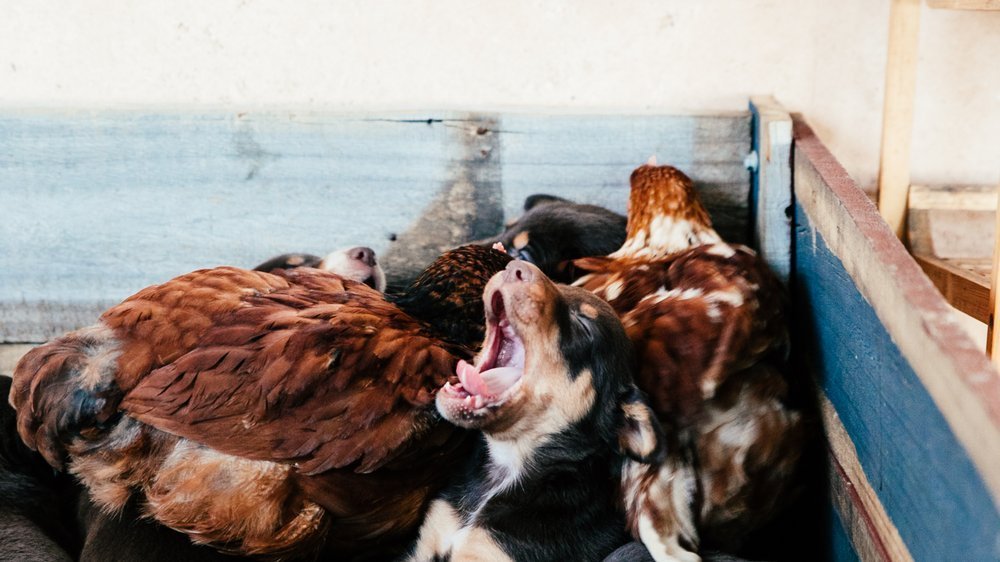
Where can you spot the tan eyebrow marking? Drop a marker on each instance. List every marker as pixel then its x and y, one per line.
pixel 589 311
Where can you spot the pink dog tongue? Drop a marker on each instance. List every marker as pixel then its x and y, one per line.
pixel 470 377
pixel 491 383
pixel 500 379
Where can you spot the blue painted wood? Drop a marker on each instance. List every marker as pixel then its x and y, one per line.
pixel 920 472
pixel 99 205
pixel 771 184
pixel 588 158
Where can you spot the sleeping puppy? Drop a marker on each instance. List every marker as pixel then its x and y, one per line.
pixel 359 264
pixel 547 392
pixel 554 231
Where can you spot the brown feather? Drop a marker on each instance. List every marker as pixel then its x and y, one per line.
pixel 302 389
pixel 708 321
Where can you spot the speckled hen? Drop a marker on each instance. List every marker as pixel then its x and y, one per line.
pixel 708 323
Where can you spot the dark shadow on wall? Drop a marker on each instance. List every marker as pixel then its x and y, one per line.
pixel 468 206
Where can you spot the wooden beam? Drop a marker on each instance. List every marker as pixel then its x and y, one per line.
pixel 109 202
pixel 964 4
pixel 951 368
pixel 870 529
pixel 963 288
pixel 772 183
pixel 897 112
pixel 992 334
pixel 10 354
pixel 952 222
pixel 922 474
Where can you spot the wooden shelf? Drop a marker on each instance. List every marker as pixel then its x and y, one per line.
pixel 964 4
pixel 965 284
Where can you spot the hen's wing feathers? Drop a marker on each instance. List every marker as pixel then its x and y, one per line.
pixel 161 323
pixel 696 317
pixel 307 374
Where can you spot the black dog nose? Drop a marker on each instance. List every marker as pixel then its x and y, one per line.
pixel 363 254
pixel 519 272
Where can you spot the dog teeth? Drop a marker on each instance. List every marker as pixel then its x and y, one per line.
pixel 478 402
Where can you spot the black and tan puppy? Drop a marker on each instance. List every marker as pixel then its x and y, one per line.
pixel 554 231
pixel 547 393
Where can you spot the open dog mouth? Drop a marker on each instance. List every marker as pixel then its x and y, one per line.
pixel 499 370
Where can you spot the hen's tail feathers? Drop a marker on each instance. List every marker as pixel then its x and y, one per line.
pixel 65 390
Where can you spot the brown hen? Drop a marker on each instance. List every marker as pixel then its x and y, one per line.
pixel 265 414
pixel 708 323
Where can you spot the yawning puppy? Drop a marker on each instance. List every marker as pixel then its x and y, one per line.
pixel 546 392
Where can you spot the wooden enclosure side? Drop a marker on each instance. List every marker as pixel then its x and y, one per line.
pixel 913 403
pixel 99 205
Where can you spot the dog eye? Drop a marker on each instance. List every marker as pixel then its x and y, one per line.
pixel 583 323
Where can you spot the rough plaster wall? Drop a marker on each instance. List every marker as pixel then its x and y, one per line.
pixel 822 58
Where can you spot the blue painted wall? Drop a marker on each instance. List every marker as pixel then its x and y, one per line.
pixel 99 205
pixel 928 485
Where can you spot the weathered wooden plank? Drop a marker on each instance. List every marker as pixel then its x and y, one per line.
pixel 992 333
pixel 952 221
pixel 965 4
pixel 953 197
pixel 840 547
pixel 966 290
pixel 102 204
pixel 856 503
pixel 917 397
pixel 588 158
pixel 951 235
pixel 897 111
pixel 771 199
pixel 10 354
pixel 921 473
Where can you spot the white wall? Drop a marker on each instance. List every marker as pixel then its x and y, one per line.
pixel 823 58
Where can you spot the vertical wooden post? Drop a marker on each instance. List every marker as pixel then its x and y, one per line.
pixel 992 334
pixel 897 112
pixel 772 184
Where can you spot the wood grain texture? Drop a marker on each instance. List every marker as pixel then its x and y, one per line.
pixel 856 503
pixel 588 158
pixel 951 235
pixel 960 284
pixel 965 4
pixel 952 221
pixel 10 354
pixel 102 204
pixel 921 472
pixel 992 334
pixel 897 111
pixel 951 366
pixel 917 396
pixel 840 547
pixel 771 199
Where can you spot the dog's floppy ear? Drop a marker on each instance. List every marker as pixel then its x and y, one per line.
pixel 538 199
pixel 640 435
